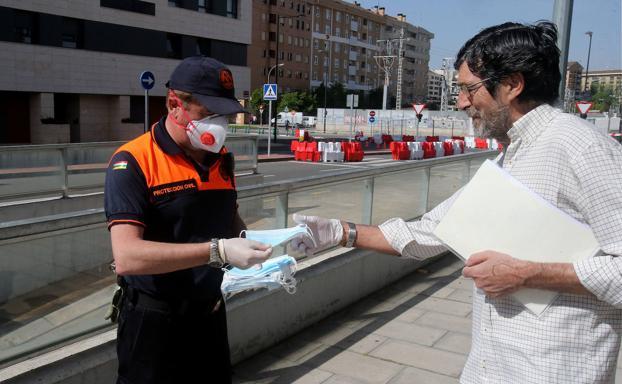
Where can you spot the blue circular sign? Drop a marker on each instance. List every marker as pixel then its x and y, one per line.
pixel 147 80
pixel 372 119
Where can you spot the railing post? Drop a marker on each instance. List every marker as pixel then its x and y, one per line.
pixel 280 209
pixel 427 193
pixel 64 174
pixel 255 154
pixel 368 201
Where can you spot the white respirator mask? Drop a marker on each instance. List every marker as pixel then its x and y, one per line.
pixel 209 133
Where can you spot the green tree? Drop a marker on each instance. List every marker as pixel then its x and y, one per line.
pixel 603 97
pixel 337 95
pixel 298 101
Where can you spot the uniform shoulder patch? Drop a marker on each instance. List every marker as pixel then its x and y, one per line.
pixel 119 165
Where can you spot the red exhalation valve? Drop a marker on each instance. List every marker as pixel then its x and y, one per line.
pixel 207 138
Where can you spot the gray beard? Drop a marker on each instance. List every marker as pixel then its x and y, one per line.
pixel 495 124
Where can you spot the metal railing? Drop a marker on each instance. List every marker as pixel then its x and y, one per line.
pixel 64 169
pixel 64 258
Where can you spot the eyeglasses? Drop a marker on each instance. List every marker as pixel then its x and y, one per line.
pixel 470 89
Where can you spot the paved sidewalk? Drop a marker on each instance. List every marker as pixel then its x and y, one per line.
pixel 414 331
pixel 417 330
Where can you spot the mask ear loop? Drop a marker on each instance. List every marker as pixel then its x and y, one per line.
pixel 183 110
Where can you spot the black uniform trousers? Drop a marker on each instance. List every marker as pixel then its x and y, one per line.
pixel 161 343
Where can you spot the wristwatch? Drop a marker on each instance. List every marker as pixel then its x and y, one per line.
pixel 215 261
pixel 351 235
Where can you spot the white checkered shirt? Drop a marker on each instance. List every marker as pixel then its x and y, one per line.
pixel 579 170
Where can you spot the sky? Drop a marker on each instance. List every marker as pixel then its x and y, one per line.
pixel 453 22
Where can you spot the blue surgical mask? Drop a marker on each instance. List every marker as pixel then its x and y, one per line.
pixel 276 237
pixel 273 273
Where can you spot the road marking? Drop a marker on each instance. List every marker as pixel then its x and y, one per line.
pixel 268 176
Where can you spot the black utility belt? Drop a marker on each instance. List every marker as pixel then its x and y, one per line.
pixel 175 306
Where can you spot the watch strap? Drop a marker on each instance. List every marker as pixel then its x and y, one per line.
pixel 351 235
pixel 215 261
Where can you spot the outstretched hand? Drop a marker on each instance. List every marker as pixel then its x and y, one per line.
pixel 326 233
pixel 244 253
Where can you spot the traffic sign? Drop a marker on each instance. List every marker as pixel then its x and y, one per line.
pixel 583 106
pixel 147 80
pixel 372 119
pixel 269 91
pixel 418 107
pixel 372 113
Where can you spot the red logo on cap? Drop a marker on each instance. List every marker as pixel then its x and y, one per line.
pixel 226 79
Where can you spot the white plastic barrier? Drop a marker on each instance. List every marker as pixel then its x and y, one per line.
pixel 440 151
pixel 469 142
pixel 332 152
pixel 492 144
pixel 416 152
pixel 457 149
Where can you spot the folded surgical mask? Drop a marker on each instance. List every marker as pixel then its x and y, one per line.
pixel 276 237
pixel 209 133
pixel 273 273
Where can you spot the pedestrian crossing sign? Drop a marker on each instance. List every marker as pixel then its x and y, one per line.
pixel 269 91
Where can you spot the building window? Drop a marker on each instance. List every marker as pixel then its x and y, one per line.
pixel 327 14
pixel 315 61
pixel 327 29
pixel 24 27
pixel 263 35
pixel 201 5
pixel 173 46
pixel 272 18
pixel 72 33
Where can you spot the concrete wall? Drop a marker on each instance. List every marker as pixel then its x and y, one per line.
pixel 325 285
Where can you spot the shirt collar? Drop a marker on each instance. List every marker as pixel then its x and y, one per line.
pixel 532 124
pixel 164 140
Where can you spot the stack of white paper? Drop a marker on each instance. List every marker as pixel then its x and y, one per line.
pixel 496 212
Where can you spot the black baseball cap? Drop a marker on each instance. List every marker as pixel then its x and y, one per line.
pixel 209 81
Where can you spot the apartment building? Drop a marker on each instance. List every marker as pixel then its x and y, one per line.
pixel 434 88
pixel 574 71
pixel 606 78
pixel 282 26
pixel 69 70
pixel 415 56
pixel 343 45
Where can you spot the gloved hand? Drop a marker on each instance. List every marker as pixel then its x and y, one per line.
pixel 326 232
pixel 244 253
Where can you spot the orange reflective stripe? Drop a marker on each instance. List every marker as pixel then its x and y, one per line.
pixel 160 168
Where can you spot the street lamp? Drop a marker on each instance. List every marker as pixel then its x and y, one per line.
pixel 270 105
pixel 276 76
pixel 587 67
pixel 327 74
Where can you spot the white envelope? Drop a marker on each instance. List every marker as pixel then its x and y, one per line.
pixel 497 212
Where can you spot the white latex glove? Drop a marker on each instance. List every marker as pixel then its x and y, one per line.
pixel 326 232
pixel 244 253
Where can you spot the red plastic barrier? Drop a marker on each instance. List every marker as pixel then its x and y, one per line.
pixel 311 152
pixel 293 146
pixel 431 139
pixel 448 147
pixel 428 150
pixel 352 151
pixel 301 153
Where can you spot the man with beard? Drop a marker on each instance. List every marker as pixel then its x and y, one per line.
pixel 508 77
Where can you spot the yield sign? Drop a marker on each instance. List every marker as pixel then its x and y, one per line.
pixel 418 108
pixel 583 106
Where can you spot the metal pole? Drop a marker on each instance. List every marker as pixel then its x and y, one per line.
pixel 146 127
pixel 351 117
pixel 587 67
pixel 324 107
pixel 562 17
pixel 276 76
pixel 269 121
